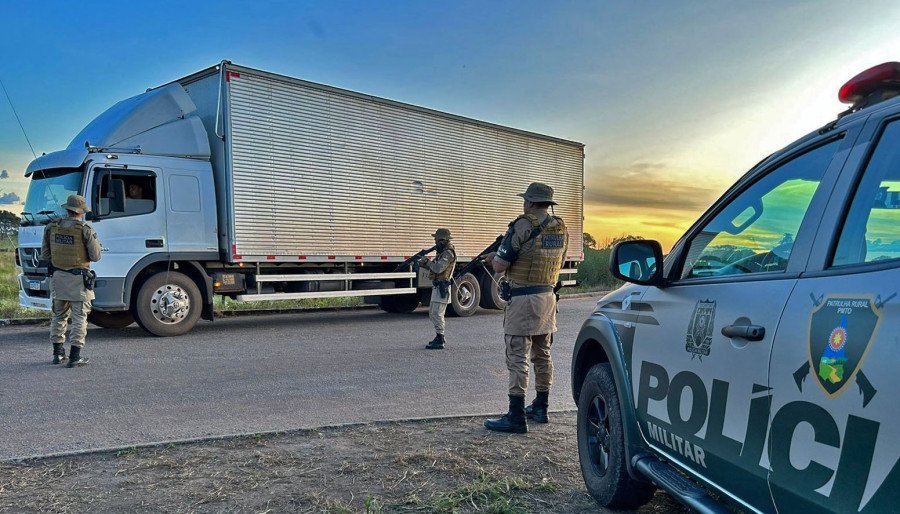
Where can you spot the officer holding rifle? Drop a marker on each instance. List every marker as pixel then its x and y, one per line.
pixel 531 256
pixel 440 271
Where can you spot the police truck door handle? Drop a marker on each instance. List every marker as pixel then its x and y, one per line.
pixel 748 332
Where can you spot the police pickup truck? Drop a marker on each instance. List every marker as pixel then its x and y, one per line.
pixel 759 360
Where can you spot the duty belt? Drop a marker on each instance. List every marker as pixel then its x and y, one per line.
pixel 522 291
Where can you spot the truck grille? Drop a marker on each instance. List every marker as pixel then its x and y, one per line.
pixel 30 261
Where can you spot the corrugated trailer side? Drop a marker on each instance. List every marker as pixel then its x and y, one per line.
pixel 321 173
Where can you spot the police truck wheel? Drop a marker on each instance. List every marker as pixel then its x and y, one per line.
pixel 168 304
pixel 601 444
pixel 465 296
pixel 120 319
pixel 490 291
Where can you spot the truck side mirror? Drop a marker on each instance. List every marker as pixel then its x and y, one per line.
pixel 639 262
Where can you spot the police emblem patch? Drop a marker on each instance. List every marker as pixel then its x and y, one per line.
pixel 841 330
pixel 64 239
pixel 699 332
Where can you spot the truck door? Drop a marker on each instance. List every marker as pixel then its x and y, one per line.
pixel 127 236
pixel 700 366
pixel 835 433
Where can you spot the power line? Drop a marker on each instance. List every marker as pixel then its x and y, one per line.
pixel 8 99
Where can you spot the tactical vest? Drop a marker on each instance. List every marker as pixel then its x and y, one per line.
pixel 67 249
pixel 540 260
pixel 447 273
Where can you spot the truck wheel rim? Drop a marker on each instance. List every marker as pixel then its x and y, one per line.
pixel 598 435
pixel 465 295
pixel 170 304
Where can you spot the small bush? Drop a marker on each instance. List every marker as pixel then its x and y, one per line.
pixel 594 271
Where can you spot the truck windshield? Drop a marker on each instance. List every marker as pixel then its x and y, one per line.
pixel 47 192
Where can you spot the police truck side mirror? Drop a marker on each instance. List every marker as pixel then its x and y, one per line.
pixel 638 262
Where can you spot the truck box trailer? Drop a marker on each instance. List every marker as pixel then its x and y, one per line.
pixel 240 182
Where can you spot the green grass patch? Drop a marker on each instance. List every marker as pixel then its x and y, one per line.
pixel 593 273
pixel 9 284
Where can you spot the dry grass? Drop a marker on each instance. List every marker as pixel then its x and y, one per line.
pixel 445 466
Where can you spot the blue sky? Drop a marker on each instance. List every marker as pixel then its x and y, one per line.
pixel 674 100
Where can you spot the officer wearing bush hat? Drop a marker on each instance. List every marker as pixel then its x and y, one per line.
pixel 440 271
pixel 531 256
pixel 70 245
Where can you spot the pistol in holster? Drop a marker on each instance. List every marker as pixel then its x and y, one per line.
pixel 89 277
pixel 443 287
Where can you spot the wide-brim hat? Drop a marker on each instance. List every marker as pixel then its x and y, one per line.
pixel 442 233
pixel 538 193
pixel 76 203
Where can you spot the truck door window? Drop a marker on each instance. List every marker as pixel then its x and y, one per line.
pixel 871 231
pixel 140 193
pixel 755 232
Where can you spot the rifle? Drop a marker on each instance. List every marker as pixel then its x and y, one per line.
pixel 493 247
pixel 414 260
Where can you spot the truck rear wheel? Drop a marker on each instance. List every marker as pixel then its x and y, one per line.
pixel 119 319
pixel 168 304
pixel 465 296
pixel 404 303
pixel 490 291
pixel 601 444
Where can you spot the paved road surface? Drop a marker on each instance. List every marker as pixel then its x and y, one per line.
pixel 255 374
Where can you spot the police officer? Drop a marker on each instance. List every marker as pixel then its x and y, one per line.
pixel 440 271
pixel 531 254
pixel 70 244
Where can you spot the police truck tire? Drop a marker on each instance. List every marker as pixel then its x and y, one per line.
pixel 119 319
pixel 601 444
pixel 490 291
pixel 465 296
pixel 168 304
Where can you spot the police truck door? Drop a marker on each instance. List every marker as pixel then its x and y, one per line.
pixel 700 366
pixel 835 433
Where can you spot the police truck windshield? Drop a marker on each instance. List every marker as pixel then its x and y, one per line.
pixel 50 189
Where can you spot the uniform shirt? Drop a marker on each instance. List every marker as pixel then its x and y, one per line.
pixel 440 264
pixel 533 314
pixel 64 285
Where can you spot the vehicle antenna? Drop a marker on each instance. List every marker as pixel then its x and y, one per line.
pixel 8 99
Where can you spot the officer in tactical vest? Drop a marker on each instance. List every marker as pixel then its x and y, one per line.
pixel 70 245
pixel 440 272
pixel 531 255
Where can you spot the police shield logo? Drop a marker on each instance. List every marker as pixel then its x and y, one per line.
pixel 699 333
pixel 841 330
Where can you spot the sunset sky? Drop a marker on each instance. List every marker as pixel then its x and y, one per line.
pixel 673 100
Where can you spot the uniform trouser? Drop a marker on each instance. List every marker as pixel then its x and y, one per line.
pixel 436 313
pixel 518 349
pixel 61 312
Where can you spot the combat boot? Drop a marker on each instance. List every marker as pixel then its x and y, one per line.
pixel 514 421
pixel 537 411
pixel 59 353
pixel 75 358
pixel 437 343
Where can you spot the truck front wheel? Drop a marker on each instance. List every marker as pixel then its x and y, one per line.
pixel 601 444
pixel 168 304
pixel 465 296
pixel 119 319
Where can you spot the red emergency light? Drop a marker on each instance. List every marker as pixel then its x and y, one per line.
pixel 884 77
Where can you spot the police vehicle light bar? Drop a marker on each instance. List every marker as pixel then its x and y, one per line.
pixel 881 78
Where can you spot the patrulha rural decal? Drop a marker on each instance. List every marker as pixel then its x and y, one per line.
pixel 699 332
pixel 841 330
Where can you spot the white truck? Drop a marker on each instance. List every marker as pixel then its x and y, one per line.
pixel 238 182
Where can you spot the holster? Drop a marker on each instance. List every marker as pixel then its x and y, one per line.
pixel 88 276
pixel 505 291
pixel 443 287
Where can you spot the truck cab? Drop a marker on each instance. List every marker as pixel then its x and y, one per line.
pixel 151 194
pixel 757 359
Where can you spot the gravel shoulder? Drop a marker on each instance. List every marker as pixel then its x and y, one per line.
pixel 445 465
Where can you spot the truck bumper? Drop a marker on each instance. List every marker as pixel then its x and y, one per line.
pixel 34 293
